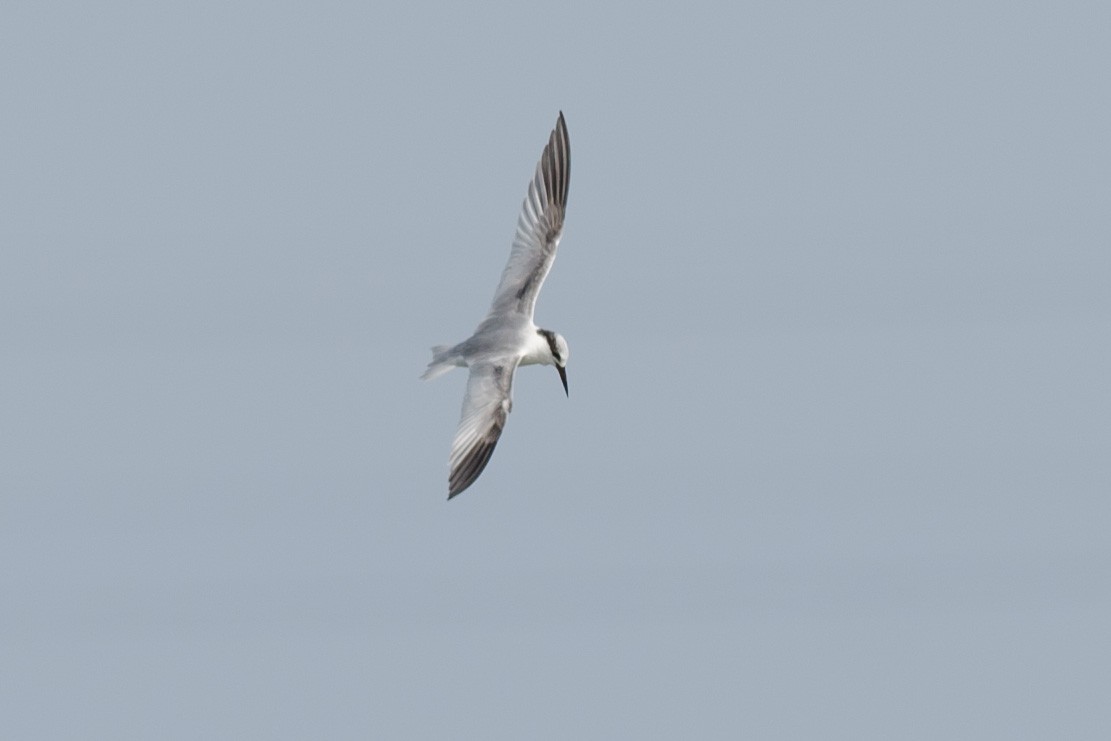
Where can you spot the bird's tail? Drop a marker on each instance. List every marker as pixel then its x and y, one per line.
pixel 442 362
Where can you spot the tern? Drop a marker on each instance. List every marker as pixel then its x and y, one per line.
pixel 507 337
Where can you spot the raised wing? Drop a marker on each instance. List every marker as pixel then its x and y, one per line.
pixel 485 409
pixel 538 228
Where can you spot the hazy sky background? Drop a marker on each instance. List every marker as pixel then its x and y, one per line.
pixel 836 462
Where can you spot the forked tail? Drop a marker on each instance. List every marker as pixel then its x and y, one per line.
pixel 441 363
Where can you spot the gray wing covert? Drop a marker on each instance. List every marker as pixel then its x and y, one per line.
pixel 486 407
pixel 538 228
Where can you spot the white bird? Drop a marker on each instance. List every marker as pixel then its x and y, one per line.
pixel 507 337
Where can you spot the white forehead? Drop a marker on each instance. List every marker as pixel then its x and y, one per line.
pixel 561 345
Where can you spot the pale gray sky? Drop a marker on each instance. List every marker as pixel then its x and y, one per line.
pixel 836 461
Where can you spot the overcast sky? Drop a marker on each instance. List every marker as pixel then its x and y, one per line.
pixel 836 461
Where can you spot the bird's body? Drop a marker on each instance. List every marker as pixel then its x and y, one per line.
pixel 507 337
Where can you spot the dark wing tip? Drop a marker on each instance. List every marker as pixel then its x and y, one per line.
pixel 467 470
pixel 556 162
pixel 471 467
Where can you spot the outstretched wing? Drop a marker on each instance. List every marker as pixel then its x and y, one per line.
pixel 485 408
pixel 538 228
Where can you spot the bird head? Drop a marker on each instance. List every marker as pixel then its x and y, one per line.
pixel 557 347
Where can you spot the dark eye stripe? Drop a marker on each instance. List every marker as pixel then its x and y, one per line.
pixel 550 337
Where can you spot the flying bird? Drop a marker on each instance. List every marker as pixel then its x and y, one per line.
pixel 507 337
